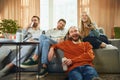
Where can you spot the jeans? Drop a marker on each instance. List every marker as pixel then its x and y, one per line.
pixel 85 72
pixel 25 53
pixel 44 46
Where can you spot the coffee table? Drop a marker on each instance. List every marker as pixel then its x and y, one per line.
pixel 18 46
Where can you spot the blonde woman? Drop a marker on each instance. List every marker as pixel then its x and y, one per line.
pixel 90 34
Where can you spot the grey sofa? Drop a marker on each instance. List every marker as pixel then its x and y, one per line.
pixel 107 60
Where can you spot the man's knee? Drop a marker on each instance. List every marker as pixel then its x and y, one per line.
pixel 42 36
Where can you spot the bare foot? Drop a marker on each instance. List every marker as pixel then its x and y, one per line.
pixel 103 45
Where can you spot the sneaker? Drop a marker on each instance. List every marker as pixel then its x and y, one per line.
pixel 29 63
pixel 43 72
pixel 109 46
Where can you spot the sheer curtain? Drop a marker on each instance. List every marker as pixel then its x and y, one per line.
pixel 106 13
pixel 20 10
pixel 53 10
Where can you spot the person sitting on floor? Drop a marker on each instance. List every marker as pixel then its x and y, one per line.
pixel 79 56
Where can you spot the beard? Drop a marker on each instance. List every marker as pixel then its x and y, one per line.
pixel 75 38
pixel 35 25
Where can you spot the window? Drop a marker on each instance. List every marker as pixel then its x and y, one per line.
pixel 53 10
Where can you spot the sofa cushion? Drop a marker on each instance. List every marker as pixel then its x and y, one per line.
pixel 107 60
pixel 115 42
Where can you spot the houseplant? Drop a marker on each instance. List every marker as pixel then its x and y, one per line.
pixel 117 32
pixel 9 26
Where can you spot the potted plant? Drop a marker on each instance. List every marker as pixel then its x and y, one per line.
pixel 9 26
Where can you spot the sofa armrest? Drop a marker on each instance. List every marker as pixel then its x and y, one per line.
pixel 107 60
pixel 115 42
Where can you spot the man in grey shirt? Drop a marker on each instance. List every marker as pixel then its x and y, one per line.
pixel 52 36
pixel 34 29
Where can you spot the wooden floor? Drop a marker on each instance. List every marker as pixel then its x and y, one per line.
pixel 32 76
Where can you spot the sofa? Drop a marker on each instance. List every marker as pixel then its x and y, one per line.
pixel 107 60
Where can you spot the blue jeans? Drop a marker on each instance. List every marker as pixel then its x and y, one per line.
pixel 26 51
pixel 44 46
pixel 85 72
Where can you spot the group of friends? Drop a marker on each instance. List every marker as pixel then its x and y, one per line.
pixel 76 43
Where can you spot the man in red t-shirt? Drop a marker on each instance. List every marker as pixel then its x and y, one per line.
pixel 79 56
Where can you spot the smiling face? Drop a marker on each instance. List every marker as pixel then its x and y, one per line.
pixel 35 20
pixel 74 34
pixel 84 17
pixel 61 24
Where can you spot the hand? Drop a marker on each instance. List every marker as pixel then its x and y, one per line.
pixel 51 54
pixel 68 62
pixel 86 25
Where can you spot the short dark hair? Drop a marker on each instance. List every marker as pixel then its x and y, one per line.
pixel 36 17
pixel 62 20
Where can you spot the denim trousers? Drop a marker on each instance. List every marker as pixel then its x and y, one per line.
pixel 26 51
pixel 44 46
pixel 85 72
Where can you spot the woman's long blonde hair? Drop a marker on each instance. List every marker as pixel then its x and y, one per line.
pixel 82 28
